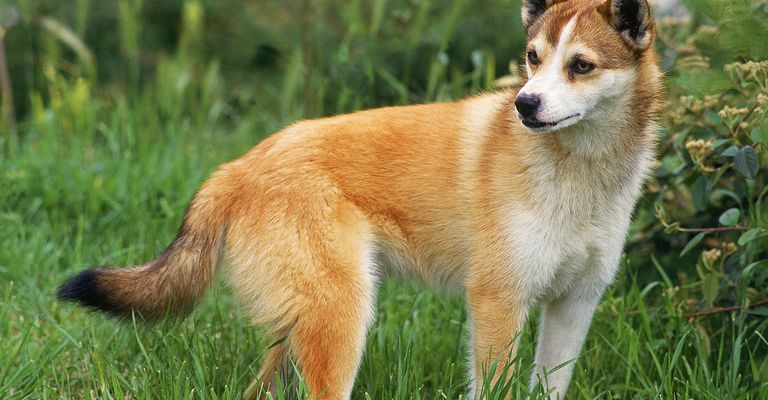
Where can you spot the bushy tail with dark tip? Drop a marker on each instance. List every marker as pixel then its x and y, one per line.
pixel 173 281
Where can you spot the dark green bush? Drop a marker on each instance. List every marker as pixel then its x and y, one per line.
pixel 709 193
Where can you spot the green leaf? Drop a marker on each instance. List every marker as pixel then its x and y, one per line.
pixel 744 277
pixel 760 133
pixel 710 286
pixel 730 217
pixel 748 236
pixel 761 311
pixel 672 228
pixel 716 177
pixel 680 168
pixel 692 243
pixel 699 193
pixel 730 152
pixel 746 162
pixel 718 195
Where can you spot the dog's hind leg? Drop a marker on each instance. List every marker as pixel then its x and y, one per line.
pixel 328 340
pixel 310 274
pixel 275 375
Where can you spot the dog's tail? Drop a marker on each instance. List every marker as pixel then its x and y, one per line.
pixel 173 281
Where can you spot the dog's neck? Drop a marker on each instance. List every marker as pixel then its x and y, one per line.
pixel 607 134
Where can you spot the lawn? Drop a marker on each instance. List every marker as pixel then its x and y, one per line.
pixel 101 163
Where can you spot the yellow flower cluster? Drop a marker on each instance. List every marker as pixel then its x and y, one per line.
pixel 697 106
pixel 730 248
pixel 747 68
pixel 730 113
pixel 710 257
pixel 762 99
pixel 693 62
pixel 699 150
pixel 687 105
pixel 707 30
pixel 750 73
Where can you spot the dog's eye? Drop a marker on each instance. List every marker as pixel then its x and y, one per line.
pixel 582 67
pixel 533 58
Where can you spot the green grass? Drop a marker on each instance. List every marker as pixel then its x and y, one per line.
pixel 114 194
pixel 101 175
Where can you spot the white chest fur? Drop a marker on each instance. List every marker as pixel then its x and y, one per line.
pixel 575 224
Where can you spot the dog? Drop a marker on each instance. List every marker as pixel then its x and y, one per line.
pixel 516 199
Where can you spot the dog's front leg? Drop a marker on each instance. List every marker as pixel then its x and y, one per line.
pixel 497 312
pixel 564 325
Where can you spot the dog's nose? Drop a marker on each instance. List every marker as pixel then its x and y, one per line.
pixel 527 104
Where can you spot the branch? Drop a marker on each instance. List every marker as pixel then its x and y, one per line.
pixel 695 314
pixel 712 230
pixel 717 310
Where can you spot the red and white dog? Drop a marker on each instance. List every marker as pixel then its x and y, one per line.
pixel 517 199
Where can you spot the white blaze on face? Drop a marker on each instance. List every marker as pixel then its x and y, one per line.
pixel 564 102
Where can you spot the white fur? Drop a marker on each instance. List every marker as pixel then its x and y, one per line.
pixel 569 102
pixel 571 243
pixel 548 83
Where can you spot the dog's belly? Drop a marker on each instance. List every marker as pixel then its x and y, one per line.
pixel 549 254
pixel 439 268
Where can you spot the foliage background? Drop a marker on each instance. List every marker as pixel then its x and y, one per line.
pixel 122 107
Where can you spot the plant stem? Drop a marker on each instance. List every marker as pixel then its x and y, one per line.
pixel 717 310
pixel 5 86
pixel 718 229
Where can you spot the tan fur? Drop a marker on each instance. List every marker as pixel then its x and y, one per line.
pixel 310 218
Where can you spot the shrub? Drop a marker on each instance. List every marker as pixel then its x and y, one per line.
pixel 709 193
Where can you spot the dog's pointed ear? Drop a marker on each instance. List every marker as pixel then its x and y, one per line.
pixel 532 10
pixel 632 19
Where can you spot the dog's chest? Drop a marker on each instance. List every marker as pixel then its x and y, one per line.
pixel 561 230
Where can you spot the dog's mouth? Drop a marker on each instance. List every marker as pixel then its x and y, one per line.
pixel 534 123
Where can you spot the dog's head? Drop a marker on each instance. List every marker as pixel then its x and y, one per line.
pixel 581 56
